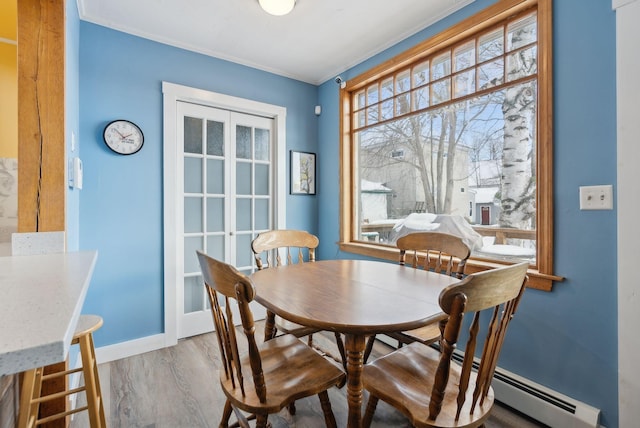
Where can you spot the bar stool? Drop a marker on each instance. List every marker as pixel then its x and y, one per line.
pixel 32 382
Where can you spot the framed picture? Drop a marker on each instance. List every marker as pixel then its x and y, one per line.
pixel 303 173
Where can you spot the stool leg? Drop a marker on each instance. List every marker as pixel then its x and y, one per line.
pixel 31 386
pixel 92 382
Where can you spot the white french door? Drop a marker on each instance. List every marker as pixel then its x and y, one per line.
pixel 226 201
pixel 224 183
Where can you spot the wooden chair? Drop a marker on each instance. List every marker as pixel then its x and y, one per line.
pixel 294 243
pixel 268 377
pixel 426 385
pixel 443 253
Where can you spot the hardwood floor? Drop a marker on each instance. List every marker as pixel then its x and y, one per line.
pixel 178 387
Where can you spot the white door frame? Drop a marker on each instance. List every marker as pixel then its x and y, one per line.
pixel 172 93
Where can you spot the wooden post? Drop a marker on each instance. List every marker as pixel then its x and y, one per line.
pixel 41 135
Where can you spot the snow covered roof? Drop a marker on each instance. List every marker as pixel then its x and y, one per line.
pixel 485 195
pixel 373 187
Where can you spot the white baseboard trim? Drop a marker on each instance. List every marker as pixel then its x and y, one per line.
pixel 106 354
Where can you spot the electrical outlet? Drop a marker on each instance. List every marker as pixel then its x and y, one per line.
pixel 596 197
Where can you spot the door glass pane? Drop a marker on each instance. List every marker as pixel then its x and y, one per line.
pixel 191 244
pixel 193 294
pixel 243 178
pixel 215 176
pixel 244 255
pixel 243 214
pixel 262 214
pixel 215 138
pixel 215 215
pixel 192 135
pixel 262 179
pixel 243 142
pixel 262 144
pixel 215 247
pixel 192 175
pixel 192 215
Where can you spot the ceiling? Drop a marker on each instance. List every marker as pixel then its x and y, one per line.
pixel 315 42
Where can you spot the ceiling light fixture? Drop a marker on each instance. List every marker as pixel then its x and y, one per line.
pixel 277 7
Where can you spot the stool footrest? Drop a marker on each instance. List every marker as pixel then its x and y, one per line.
pixel 60 374
pixel 60 415
pixel 58 395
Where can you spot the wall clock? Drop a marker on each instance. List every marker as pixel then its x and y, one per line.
pixel 123 137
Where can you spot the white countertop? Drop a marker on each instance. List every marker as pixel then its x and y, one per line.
pixel 41 297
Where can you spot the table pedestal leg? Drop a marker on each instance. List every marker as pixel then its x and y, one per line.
pixel 354 346
pixel 269 325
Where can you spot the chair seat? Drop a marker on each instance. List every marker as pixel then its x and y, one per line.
pixel 426 335
pixel 285 364
pixel 288 327
pixel 415 367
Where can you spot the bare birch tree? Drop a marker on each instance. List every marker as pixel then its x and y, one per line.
pixel 518 162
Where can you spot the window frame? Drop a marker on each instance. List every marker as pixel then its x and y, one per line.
pixel 541 275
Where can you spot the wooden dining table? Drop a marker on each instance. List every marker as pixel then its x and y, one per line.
pixel 357 298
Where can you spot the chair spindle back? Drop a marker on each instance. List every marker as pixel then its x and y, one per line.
pixel 444 253
pixel 494 293
pixel 223 280
pixel 294 242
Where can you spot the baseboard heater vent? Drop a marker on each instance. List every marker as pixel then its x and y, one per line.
pixel 540 403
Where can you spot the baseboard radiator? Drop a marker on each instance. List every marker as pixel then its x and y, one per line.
pixel 536 401
pixel 540 403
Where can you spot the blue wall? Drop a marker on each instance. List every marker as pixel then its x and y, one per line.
pixel 565 339
pixel 121 205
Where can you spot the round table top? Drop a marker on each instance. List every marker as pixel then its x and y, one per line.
pixel 352 296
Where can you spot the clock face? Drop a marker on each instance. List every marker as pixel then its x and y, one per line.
pixel 123 137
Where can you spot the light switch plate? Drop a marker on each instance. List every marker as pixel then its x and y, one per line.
pixel 596 197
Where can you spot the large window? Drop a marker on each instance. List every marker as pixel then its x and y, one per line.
pixel 455 136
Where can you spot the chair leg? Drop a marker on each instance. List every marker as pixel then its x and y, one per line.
pixel 292 408
pixel 343 355
pixel 329 417
pixel 368 414
pixel 441 325
pixel 367 350
pixel 226 415
pixel 261 421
